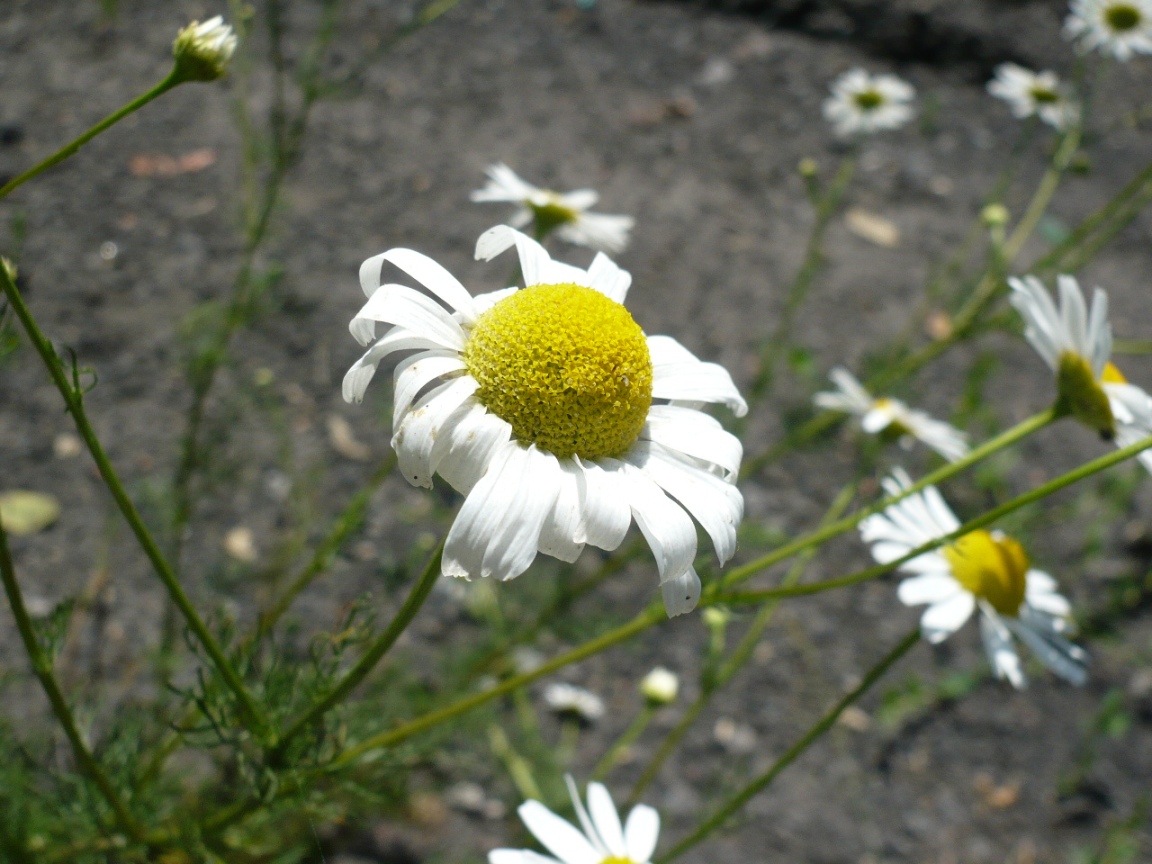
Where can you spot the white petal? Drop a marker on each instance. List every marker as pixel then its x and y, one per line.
pixel 1002 656
pixel 716 505
pixel 641 832
pixel 424 270
pixel 518 856
pixel 1099 332
pixel 609 279
pixel 604 817
pixel 694 434
pixel 466 444
pixel 556 835
pixel 534 260
pixel 928 588
pixel 943 619
pixel 877 419
pixel 664 524
pixel 851 388
pixel 397 339
pixel 681 593
pixel 497 529
pixel 580 199
pixel 1038 580
pixel 697 381
pixel 1054 651
pixel 665 349
pixel 607 514
pixel 407 307
pixel 1074 317
pixel 414 438
pixel 578 805
pixel 415 373
pixel 562 535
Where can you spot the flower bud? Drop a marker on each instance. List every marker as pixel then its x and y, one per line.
pixel 202 51
pixel 660 687
pixel 994 216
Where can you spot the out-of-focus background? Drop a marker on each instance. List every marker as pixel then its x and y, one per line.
pixel 692 117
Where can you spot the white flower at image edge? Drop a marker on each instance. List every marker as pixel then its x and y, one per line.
pixel 565 213
pixel 879 415
pixel 861 103
pixel 601 839
pixel 1121 28
pixel 982 569
pixel 1031 93
pixel 1076 343
pixel 553 413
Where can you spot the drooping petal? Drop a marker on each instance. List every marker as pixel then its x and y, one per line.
pixel 415 373
pixel 558 836
pixel 416 435
pixel 406 307
pixel 1002 656
pixel 466 444
pixel 424 270
pixel 607 514
pixel 357 378
pixel 692 380
pixel 664 523
pixel 681 593
pixel 563 531
pixel 1053 650
pixel 534 259
pixel 641 832
pixel 694 434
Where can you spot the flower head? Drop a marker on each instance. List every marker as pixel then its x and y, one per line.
pixel 565 213
pixel 572 701
pixel 891 415
pixel 1031 93
pixel 202 51
pixel 660 687
pixel 1117 27
pixel 553 413
pixel 601 839
pixel 862 104
pixel 1076 344
pixel 981 569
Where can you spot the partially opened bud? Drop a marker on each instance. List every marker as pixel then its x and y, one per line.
pixel 202 51
pixel 660 687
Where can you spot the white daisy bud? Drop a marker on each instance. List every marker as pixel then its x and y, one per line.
pixel 202 51
pixel 660 687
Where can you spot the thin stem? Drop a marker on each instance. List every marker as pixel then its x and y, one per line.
pixel 627 738
pixel 252 715
pixel 790 755
pixel 370 658
pixel 68 149
pixel 815 538
pixel 1043 491
pixel 42 667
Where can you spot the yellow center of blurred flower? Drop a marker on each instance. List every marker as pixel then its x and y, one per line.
pixel 992 568
pixel 1112 375
pixel 567 367
pixel 1081 396
pixel 550 215
pixel 1122 17
pixel 1044 96
pixel 869 100
pixel 612 859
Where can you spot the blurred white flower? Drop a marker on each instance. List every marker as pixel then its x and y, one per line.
pixel 892 415
pixel 981 569
pixel 202 51
pixel 1076 344
pixel 566 213
pixel 601 839
pixel 541 413
pixel 862 104
pixel 1117 27
pixel 568 699
pixel 1031 93
pixel 660 686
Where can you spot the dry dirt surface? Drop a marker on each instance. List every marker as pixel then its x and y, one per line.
pixel 691 116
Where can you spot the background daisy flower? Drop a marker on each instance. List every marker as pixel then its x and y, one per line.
pixel 862 104
pixel 879 415
pixel 569 700
pixel 1031 93
pixel 601 839
pixel 566 213
pixel 1076 344
pixel 982 569
pixel 554 414
pixel 1117 27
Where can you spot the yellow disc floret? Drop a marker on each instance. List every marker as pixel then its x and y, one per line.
pixel 566 366
pixel 993 567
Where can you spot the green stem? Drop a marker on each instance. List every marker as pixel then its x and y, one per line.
pixel 42 667
pixel 1052 486
pixel 68 149
pixel 1004 439
pixel 369 659
pixel 347 522
pixel 627 738
pixel 790 755
pixel 73 399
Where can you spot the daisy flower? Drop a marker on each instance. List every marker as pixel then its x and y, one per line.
pixel 1031 93
pixel 600 839
pixel 1076 344
pixel 984 569
pixel 861 103
pixel 1117 27
pixel 891 415
pixel 565 213
pixel 572 701
pixel 553 413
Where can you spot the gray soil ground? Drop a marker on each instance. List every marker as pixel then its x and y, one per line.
pixel 693 119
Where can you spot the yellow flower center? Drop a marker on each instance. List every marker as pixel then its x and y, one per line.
pixel 1081 396
pixel 614 860
pixel 551 215
pixel 991 568
pixel 1122 17
pixel 1112 375
pixel 567 367
pixel 869 100
pixel 1044 96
